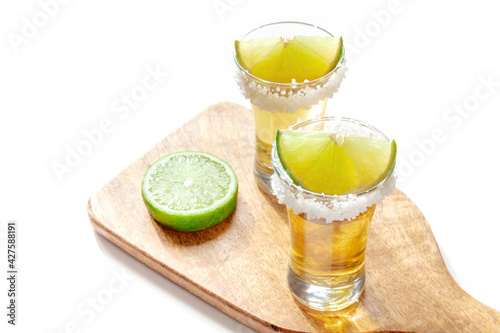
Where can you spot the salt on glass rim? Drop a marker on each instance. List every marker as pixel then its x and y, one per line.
pixel 327 208
pixel 290 97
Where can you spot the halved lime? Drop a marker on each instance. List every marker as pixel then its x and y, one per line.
pixel 190 191
pixel 281 59
pixel 335 164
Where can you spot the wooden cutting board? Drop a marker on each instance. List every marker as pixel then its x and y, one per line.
pixel 239 266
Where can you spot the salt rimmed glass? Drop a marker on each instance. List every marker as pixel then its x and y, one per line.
pixel 280 105
pixel 328 232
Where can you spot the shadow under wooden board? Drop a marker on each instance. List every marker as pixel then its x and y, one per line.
pixel 239 266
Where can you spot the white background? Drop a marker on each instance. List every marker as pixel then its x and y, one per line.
pixel 409 69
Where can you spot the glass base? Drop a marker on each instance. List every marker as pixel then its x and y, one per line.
pixel 263 177
pixel 323 298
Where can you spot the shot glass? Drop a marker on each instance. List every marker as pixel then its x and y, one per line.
pixel 328 232
pixel 280 105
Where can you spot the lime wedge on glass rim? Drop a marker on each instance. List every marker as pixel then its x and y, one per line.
pixel 281 59
pixel 190 191
pixel 335 164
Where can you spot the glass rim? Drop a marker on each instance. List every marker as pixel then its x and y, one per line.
pixel 288 85
pixel 287 181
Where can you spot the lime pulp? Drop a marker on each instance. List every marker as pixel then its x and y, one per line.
pixel 190 191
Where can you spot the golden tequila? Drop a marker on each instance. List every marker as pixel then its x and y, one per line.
pixel 329 233
pixel 329 254
pixel 276 104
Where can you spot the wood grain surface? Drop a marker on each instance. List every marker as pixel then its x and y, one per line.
pixel 239 266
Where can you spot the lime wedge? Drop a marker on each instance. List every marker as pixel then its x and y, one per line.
pixel 334 164
pixel 281 59
pixel 190 191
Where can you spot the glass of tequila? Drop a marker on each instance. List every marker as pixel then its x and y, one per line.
pixel 278 105
pixel 329 232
